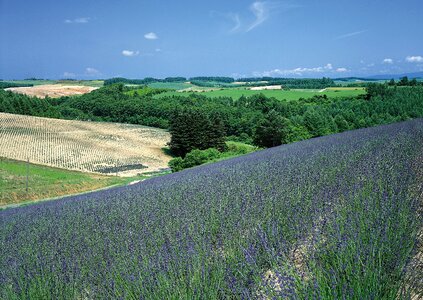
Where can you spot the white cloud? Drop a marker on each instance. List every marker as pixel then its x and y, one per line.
pixel 158 50
pixel 341 70
pixel 347 35
pixel 130 53
pixel 151 36
pixel 78 20
pixel 388 61
pixel 297 71
pixel 91 71
pixel 414 59
pixel 260 12
pixel 69 75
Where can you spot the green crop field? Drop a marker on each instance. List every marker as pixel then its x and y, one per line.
pixel 170 85
pixel 278 94
pixel 47 182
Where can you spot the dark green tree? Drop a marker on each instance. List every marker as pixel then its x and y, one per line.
pixel 194 129
pixel 271 131
pixel 403 81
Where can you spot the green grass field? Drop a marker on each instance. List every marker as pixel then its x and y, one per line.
pixel 278 94
pixel 170 85
pixel 93 83
pixel 46 182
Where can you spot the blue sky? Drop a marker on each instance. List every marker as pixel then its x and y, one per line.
pixel 134 38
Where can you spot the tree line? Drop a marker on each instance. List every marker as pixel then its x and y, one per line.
pixel 7 84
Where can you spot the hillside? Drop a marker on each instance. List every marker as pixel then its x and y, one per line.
pixel 291 221
pixel 97 147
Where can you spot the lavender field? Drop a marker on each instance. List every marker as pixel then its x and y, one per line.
pixel 334 217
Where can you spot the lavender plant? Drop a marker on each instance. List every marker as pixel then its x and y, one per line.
pixel 329 218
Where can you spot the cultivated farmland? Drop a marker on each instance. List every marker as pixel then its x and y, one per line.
pixel 107 148
pixel 52 90
pixel 334 217
pixel 294 94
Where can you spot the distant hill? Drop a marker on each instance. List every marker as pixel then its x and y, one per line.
pixel 397 76
pixel 416 75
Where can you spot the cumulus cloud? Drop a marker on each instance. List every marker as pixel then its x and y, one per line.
pixel 347 35
pixel 341 70
pixel 78 20
pixel 151 36
pixel 297 71
pixel 388 61
pixel 130 53
pixel 414 59
pixel 89 71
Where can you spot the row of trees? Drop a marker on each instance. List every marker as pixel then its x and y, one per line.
pixel 146 80
pixel 404 81
pixel 6 84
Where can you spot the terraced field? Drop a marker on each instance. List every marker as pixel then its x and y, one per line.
pixel 106 148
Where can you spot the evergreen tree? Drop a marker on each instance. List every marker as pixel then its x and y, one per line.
pixel 271 131
pixel 194 129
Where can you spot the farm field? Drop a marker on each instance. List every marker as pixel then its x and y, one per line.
pixel 170 85
pixel 52 90
pixel 334 217
pixel 46 182
pixel 278 94
pixel 104 148
pixel 93 83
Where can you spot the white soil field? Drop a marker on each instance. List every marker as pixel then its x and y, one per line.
pixel 266 87
pixel 97 147
pixel 52 90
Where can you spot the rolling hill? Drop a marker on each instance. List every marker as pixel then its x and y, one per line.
pixel 291 222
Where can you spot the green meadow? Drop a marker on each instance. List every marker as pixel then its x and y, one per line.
pixel 47 182
pixel 293 94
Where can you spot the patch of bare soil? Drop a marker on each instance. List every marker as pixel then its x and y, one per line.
pixel 52 90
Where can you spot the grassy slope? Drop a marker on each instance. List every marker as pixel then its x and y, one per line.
pixel 278 94
pixel 47 182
